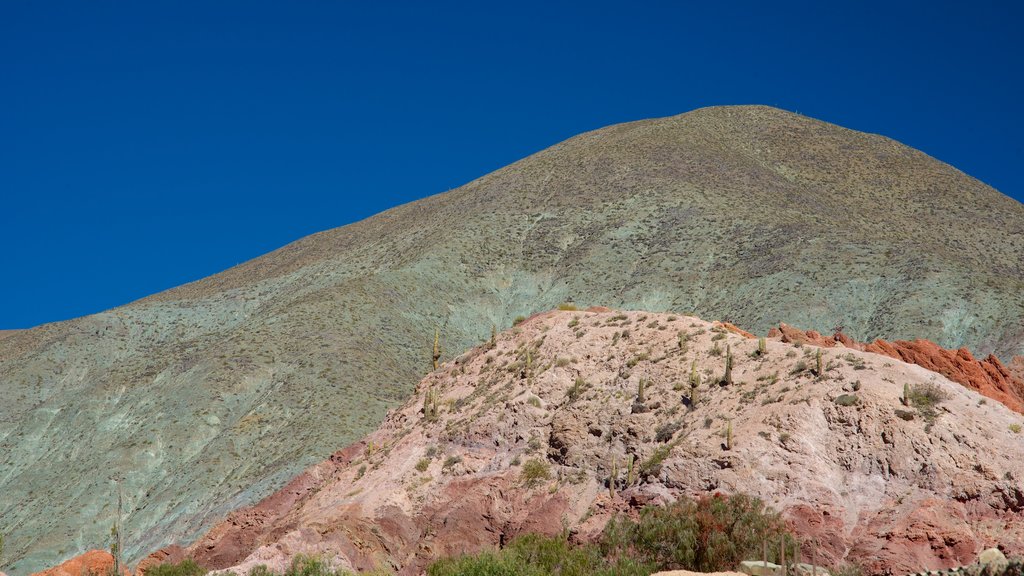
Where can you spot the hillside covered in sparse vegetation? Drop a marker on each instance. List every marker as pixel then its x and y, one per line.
pixel 210 396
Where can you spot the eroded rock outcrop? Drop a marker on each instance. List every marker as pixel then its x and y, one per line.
pixel 522 436
pixel 91 563
pixel 988 376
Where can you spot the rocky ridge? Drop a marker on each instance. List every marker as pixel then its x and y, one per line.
pixel 523 435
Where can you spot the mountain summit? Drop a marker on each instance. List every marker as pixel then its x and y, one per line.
pixel 209 396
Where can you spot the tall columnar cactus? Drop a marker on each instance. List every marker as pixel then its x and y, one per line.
pixel 727 378
pixel 430 405
pixel 631 471
pixel 640 391
pixel 694 376
pixel 728 435
pixel 613 477
pixel 906 394
pixel 819 367
pixel 437 347
pixel 762 347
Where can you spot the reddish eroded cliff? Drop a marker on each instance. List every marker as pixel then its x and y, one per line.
pixel 987 376
pixel 91 563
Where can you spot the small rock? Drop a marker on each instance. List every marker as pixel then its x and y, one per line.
pixel 847 400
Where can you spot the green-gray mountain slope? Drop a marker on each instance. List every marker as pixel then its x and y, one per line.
pixel 207 396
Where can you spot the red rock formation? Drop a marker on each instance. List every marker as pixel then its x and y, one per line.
pixel 169 555
pixel 988 377
pixel 93 562
pixel 735 329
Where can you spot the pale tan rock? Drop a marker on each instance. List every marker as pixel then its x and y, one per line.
pixel 993 557
pixel 760 568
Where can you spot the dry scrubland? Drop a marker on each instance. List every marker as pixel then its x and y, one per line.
pixel 211 395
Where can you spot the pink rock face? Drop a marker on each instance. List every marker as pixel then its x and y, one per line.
pixel 524 437
pixel 93 562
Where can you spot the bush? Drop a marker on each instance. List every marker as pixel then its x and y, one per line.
pixel 666 431
pixel 926 396
pixel 186 567
pixel 711 534
pixel 708 535
pixel 534 555
pixel 535 472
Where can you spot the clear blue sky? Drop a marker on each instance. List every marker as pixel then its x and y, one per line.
pixel 145 144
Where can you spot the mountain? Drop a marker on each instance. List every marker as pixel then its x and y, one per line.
pixel 528 434
pixel 209 396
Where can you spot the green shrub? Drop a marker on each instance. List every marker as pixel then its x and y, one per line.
pixel 535 472
pixel 534 555
pixel 652 466
pixel 423 464
pixel 186 567
pixel 926 397
pixel 666 431
pixel 567 307
pixel 708 535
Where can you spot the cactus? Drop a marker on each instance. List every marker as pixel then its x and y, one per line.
pixel 683 338
pixel 694 376
pixel 494 337
pixel 640 391
pixel 437 347
pixel 613 478
pixel 762 347
pixel 631 471
pixel 429 405
pixel 728 435
pixel 694 396
pixel 727 378
pixel 906 394
pixel 819 369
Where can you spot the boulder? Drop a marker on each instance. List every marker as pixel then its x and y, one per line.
pixel 993 557
pixel 760 568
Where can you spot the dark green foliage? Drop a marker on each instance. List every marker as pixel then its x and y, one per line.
pixel 707 535
pixel 535 555
pixel 665 432
pixel 186 567
pixel 305 565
